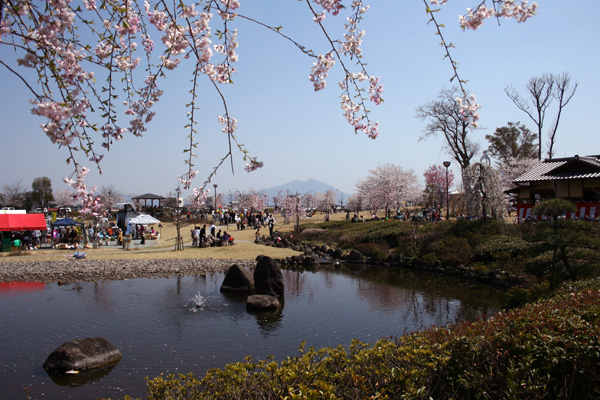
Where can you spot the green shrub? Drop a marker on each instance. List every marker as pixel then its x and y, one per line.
pixel 501 248
pixel 377 252
pixel 313 234
pixel 476 231
pixel 518 296
pixel 430 259
pixel 453 251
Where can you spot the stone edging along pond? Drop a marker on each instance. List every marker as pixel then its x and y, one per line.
pixel 95 270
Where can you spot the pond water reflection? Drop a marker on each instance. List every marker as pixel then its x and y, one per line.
pixel 185 324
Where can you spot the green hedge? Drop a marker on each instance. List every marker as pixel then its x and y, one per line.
pixel 546 350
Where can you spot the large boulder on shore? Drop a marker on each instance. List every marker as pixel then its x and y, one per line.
pixel 262 302
pixel 82 354
pixel 356 257
pixel 238 280
pixel 267 277
pixel 337 253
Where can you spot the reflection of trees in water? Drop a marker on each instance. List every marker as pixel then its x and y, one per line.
pixel 423 298
pixel 93 295
pixel 297 283
pixel 328 279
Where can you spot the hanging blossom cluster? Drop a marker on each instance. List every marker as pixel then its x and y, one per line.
pixel 332 7
pixel 507 9
pixel 200 196
pixel 353 100
pixel 320 70
pixel 474 18
pixel 92 204
pixel 468 109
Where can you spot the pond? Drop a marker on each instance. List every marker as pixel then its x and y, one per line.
pixel 185 324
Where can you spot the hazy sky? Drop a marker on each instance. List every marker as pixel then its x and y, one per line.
pixel 300 134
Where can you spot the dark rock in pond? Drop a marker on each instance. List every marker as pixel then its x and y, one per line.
pixel 324 248
pixel 337 253
pixel 268 278
pixel 238 280
pixel 262 302
pixel 82 354
pixel 310 260
pixel 355 256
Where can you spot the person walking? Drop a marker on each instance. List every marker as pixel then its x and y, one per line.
pixel 271 225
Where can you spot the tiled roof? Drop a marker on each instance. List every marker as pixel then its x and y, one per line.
pixel 554 169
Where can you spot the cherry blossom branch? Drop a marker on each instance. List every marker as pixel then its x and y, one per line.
pixel 355 112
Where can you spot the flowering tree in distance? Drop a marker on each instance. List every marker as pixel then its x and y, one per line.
pixel 355 202
pixel 514 167
pixel 290 205
pixel 255 201
pixel 309 199
pixel 64 197
pixel 483 193
pixel 388 186
pixel 435 182
pixel 109 196
pixel 98 67
pixel 326 201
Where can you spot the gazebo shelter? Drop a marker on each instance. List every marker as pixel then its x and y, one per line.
pixel 149 196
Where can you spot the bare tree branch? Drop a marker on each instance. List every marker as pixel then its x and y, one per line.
pixel 563 93
pixel 540 90
pixel 445 118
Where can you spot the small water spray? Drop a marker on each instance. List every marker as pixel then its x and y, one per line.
pixel 198 302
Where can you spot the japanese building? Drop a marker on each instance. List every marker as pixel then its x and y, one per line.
pixel 573 178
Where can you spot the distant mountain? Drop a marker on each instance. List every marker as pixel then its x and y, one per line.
pixel 302 187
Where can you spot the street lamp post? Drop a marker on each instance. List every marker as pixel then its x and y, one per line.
pixel 215 186
pixel 447 164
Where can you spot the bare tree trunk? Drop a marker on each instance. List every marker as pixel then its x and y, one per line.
pixel 563 92
pixel 540 89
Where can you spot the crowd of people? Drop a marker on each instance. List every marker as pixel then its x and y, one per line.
pixel 28 240
pixel 207 237
pixel 201 239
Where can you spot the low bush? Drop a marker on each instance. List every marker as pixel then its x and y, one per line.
pixel 377 252
pixel 500 248
pixel 452 251
pixel 313 234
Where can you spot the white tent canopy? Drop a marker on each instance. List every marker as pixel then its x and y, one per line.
pixel 143 219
